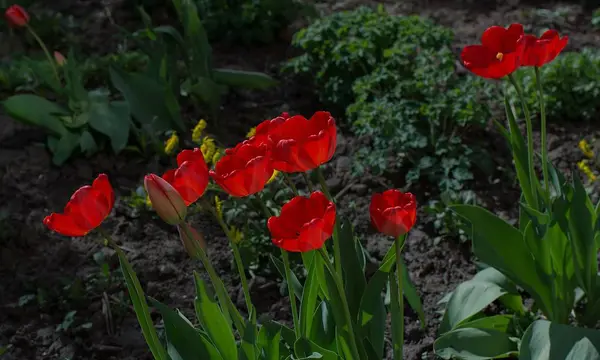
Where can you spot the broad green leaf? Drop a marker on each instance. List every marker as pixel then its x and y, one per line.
pixel 354 276
pixel 497 322
pixel 35 110
pixel 411 294
pixel 171 31
pixel 287 334
pixel 87 143
pixel 196 38
pixel 500 245
pixel 208 92
pixel 323 327
pixel 243 79
pixel 213 321
pixel 305 348
pixel 468 299
pixel 512 300
pixel 475 344
pixel 295 282
pixel 110 119
pixel 64 148
pixel 269 343
pixel 138 300
pixel 249 343
pixel 551 341
pixel 308 304
pixel 187 341
pixel 146 99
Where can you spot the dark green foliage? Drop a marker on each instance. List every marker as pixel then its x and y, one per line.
pixel 248 21
pixel 395 79
pixel 571 85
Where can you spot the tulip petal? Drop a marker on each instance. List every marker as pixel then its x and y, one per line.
pixel 64 225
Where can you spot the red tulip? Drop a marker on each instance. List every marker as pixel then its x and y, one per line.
pixel 499 54
pixel 59 58
pixel 543 50
pixel 166 201
pixel 190 179
pixel 299 144
pixel 243 170
pixel 265 128
pixel 304 223
pixel 85 211
pixel 393 212
pixel 16 16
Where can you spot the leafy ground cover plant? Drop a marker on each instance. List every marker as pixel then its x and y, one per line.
pixel 394 78
pixel 89 117
pixel 336 312
pixel 551 254
pixel 256 21
pixel 571 86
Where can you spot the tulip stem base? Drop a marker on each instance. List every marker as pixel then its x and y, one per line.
pixel 544 142
pixel 309 184
pixel 291 293
pixel 46 52
pixel 290 183
pixel 399 242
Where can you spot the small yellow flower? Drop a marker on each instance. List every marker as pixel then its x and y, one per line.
pixel 273 177
pixel 586 149
pixel 197 132
pixel 219 206
pixel 584 167
pixel 251 133
pixel 208 148
pixel 236 235
pixel 171 143
pixel 217 156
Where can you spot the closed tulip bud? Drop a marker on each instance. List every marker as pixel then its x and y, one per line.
pixel 16 16
pixel 166 201
pixel 191 239
pixel 59 58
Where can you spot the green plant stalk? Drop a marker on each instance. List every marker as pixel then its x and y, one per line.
pixel 290 183
pixel 238 261
pixel 544 145
pixel 221 295
pixel 288 275
pixel 337 253
pixel 400 240
pixel 530 151
pixel 143 316
pixel 342 292
pixel 46 52
pixel 308 182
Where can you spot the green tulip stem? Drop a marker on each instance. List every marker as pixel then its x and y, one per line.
pixel 337 253
pixel 237 256
pixel 288 274
pixel 290 183
pixel 340 289
pixel 46 52
pixel 544 145
pixel 308 182
pixel 399 241
pixel 530 151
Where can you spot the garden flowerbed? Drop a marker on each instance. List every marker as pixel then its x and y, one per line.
pixel 63 298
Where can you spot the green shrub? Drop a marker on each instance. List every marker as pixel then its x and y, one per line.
pixel 571 86
pixel 247 21
pixel 395 79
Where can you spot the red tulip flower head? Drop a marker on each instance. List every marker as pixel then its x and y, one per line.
pixel 16 16
pixel 166 201
pixel 304 223
pixel 244 170
pixel 190 179
pixel 498 55
pixel 393 212
pixel 299 145
pixel 543 50
pixel 85 211
pixel 265 128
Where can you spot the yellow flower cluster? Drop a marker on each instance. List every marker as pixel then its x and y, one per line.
pixel 236 235
pixel 584 167
pixel 208 148
pixel 251 133
pixel 586 149
pixel 198 130
pixel 171 143
pixel 219 207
